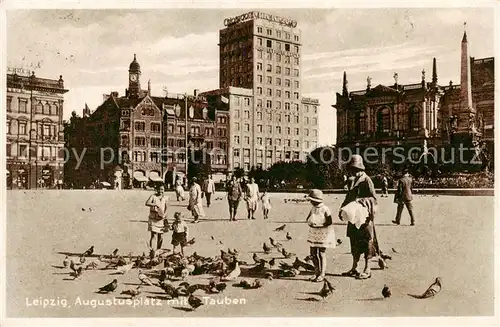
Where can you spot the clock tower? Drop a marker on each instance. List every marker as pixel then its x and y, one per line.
pixel 134 74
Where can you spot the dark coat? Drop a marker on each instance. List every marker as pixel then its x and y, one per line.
pixel 404 192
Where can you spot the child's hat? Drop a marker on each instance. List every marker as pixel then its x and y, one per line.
pixel 315 195
pixel 177 215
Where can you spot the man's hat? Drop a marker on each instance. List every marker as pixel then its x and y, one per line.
pixel 315 195
pixel 357 162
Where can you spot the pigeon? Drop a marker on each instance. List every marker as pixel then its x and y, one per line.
pixel 326 290
pixel 272 262
pixel 191 241
pixel 169 288
pixel 385 256
pixel 213 239
pixel 221 287
pixel 434 289
pixel 288 237
pixel 271 240
pixel 266 248
pixel 279 229
pixel 83 209
pixel 110 287
pixel 78 272
pixel 269 275
pixel 386 292
pixel 92 265
pixel 299 263
pixel 66 262
pixel 133 292
pixel 256 258
pixel 195 302
pixel 286 254
pixel 233 274
pixel 72 265
pixel 381 263
pixel 115 252
pixel 82 260
pixel 260 267
pixel 125 268
pixel 230 252
pixel 90 209
pixel 89 251
pixel 394 250
pixel 144 279
pixel 339 241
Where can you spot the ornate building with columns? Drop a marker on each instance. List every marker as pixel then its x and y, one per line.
pixel 35 138
pixel 420 115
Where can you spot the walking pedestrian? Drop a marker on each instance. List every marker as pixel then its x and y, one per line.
pixel 266 204
pixel 363 239
pixel 179 190
pixel 252 197
pixel 195 200
pixel 157 223
pixel 385 187
pixel 234 193
pixel 403 197
pixel 209 189
pixel 321 233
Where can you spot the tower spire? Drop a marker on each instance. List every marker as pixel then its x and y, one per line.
pixel 434 72
pixel 149 87
pixel 345 91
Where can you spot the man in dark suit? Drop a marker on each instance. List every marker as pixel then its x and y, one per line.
pixel 403 197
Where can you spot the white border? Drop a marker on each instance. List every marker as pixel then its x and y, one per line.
pixel 227 4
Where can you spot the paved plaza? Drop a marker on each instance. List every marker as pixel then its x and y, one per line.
pixel 453 239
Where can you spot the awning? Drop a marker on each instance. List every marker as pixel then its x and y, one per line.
pixel 105 184
pixel 139 176
pixel 155 177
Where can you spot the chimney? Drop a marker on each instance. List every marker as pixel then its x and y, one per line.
pixel 114 94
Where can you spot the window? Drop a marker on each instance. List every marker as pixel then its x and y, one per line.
pixel 46 109
pixel 236 152
pixel 278 142
pixel 236 139
pixel 221 132
pixel 278 93
pixel 296 154
pixel 259 128
pixel 210 144
pixel 296 38
pixel 259 29
pixel 414 118
pixel 269 104
pixel 247 127
pixel 287 83
pixel 171 142
pixel 306 120
pixel 287 35
pixel 259 66
pixel 140 126
pixel 247 101
pixel 383 120
pixel 259 103
pixel 247 140
pixel 237 113
pixel 269 116
pixel 278 129
pixel 296 48
pixel 269 129
pixel 288 130
pixel 296 144
pixel 23 150
pixel 315 132
pixel 278 118
pixel 170 128
pixel 278 155
pixel 296 72
pixel 46 130
pixel 209 131
pixel 8 149
pixel 287 107
pixel 259 153
pixel 296 96
pixel 155 127
pixel 259 90
pixel 259 78
pixel 259 40
pixel 23 104
pixel 154 156
pixel 296 61
pixel 287 48
pixel 296 84
pixel 269 80
pixel 278 81
pixel 247 114
pixel 315 109
pixel 269 44
pixel 181 143
pixel 269 92
pixel 9 103
pixel 287 154
pixel 306 132
pixel 140 141
pixel 237 126
pixel 259 115
pixel 278 103
pixel 306 144
pixel 269 154
pixel 269 56
pixel 259 54
pixel 246 153
pixel 269 68
pixel 288 142
pixel 287 94
pixel 315 121
pixel 269 31
pixel 287 118
pixel 278 34
pixel 22 128
pixel 259 141
pixel 287 71
pixel 39 108
pixel 287 60
pixel 278 57
pixel 296 119
pixel 296 131
pixel 8 126
pixel 278 69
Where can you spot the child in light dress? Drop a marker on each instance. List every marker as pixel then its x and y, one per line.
pixel 321 233
pixel 180 233
pixel 266 203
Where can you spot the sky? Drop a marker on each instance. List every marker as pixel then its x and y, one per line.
pixel 177 48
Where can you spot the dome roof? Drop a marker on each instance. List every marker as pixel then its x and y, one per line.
pixel 134 65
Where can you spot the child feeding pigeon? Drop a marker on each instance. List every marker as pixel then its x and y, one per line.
pixel 321 233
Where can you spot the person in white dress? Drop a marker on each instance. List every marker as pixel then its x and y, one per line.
pixel 321 233
pixel 179 190
pixel 157 223
pixel 266 204
pixel 195 200
pixel 252 197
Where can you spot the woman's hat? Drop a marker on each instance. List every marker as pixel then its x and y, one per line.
pixel 315 195
pixel 357 162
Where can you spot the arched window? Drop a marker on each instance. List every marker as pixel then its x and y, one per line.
pixel 124 141
pixel 383 120
pixel 414 118
pixel 46 109
pixel 39 108
pixel 362 122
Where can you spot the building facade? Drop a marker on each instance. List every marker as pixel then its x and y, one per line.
pixel 262 53
pixel 145 135
pixel 35 138
pixel 421 115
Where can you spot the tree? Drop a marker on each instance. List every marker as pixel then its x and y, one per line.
pixel 199 164
pixel 323 168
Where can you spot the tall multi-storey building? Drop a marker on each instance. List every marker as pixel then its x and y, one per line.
pixel 132 134
pixel 262 52
pixel 35 137
pixel 422 115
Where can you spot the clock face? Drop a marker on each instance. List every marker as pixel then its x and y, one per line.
pixel 133 77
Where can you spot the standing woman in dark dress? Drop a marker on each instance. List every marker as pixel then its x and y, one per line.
pixel 363 240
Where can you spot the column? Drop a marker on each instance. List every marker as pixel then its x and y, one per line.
pixel 368 119
pixel 435 113
pixel 424 116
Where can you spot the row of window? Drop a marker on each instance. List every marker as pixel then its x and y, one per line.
pixel 295 155
pixel 288 118
pixel 155 156
pixel 278 33
pixel 269 68
pixel 277 129
pixel 246 101
pixel 140 126
pixel 22 107
pixel 269 142
pixel 22 129
pixel 278 47
pixel 42 152
pixel 269 80
pixel 359 122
